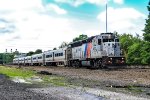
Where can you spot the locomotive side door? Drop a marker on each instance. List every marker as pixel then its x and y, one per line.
pixel 69 53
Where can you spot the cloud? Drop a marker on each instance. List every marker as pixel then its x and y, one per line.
pixel 77 3
pixel 123 20
pixel 36 27
pixel 119 1
pixel 31 25
pixel 6 27
pixel 19 5
pixel 55 8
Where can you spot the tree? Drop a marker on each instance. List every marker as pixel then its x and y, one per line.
pixel 16 53
pixel 147 26
pixel 54 48
pixel 145 52
pixel 30 53
pixel 63 44
pixel 6 58
pixel 38 51
pixel 126 42
pixel 81 37
pixel 134 53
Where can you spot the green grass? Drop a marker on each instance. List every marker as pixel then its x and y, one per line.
pixel 24 73
pixel 55 80
pixel 134 89
pixel 14 72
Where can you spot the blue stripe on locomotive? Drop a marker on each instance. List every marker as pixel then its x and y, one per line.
pixel 85 50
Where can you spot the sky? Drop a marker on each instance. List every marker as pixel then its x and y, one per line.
pixel 27 25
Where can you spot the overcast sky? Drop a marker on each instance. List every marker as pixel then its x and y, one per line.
pixel 28 25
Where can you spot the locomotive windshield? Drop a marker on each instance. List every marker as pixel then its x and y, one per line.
pixel 116 40
pixel 108 40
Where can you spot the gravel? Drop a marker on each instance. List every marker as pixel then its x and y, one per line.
pixel 124 76
pixel 10 90
pixel 102 78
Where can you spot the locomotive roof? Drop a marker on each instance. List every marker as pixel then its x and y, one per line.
pixel 79 43
pixel 106 33
pixel 83 41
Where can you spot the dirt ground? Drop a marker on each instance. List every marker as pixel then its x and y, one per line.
pixel 124 76
pixel 114 84
pixel 128 81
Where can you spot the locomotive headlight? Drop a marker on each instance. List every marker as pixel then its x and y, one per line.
pixel 122 58
pixel 110 58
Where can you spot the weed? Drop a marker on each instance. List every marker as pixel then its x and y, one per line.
pixel 55 80
pixel 134 89
pixel 14 72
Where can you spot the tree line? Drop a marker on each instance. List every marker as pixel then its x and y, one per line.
pixel 137 50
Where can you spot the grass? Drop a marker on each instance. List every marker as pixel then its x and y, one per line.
pixel 14 72
pixel 55 80
pixel 134 89
pixel 25 74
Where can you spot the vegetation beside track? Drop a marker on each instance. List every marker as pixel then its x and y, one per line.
pixel 30 76
pixel 16 72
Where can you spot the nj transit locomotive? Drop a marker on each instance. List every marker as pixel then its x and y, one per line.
pixel 97 52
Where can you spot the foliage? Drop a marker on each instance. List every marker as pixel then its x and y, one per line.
pixel 134 53
pixel 54 48
pixel 38 51
pixel 16 53
pixel 30 53
pixel 55 80
pixel 81 37
pixel 136 50
pixel 147 26
pixel 6 58
pixel 63 44
pixel 13 72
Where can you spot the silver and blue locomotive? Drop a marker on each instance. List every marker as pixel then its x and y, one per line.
pixel 97 52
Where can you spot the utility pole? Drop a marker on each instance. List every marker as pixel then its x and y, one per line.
pixel 106 16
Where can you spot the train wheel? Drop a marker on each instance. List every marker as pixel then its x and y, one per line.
pixel 77 64
pixel 96 64
pixel 73 64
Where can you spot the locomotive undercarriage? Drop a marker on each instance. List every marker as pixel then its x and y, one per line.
pixel 103 62
pixel 74 63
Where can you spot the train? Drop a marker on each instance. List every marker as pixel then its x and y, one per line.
pixel 97 51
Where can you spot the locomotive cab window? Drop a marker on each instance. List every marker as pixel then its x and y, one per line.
pixel 105 40
pixel 111 40
pixel 116 40
pixel 108 40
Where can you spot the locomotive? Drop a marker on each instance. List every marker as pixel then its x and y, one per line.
pixel 96 52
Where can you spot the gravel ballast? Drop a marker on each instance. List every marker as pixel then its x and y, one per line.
pixel 10 90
